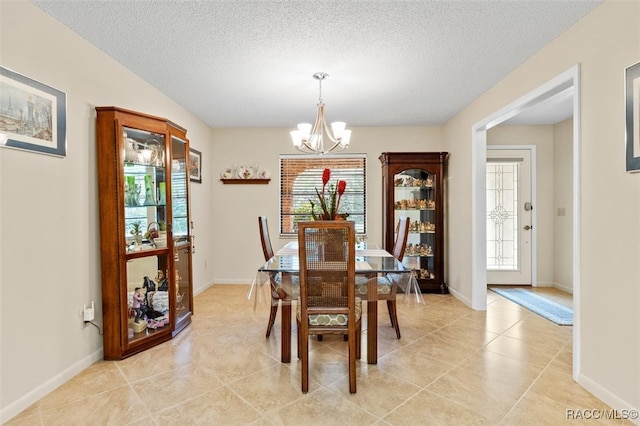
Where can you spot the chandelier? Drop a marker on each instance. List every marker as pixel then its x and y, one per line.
pixel 310 139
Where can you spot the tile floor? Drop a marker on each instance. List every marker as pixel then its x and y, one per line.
pixel 453 366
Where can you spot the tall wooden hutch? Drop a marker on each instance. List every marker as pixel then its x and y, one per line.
pixel 413 186
pixel 143 181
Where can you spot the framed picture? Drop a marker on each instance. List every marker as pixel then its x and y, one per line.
pixel 195 165
pixel 33 116
pixel 632 101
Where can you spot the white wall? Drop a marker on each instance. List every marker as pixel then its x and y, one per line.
pixel 236 207
pixel 562 196
pixel 542 138
pixel 49 247
pixel 604 43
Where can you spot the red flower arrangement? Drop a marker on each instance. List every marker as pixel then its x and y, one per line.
pixel 329 207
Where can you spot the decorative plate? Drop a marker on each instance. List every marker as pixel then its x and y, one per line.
pixel 264 174
pixel 245 172
pixel 226 174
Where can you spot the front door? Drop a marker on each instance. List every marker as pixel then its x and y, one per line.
pixel 509 216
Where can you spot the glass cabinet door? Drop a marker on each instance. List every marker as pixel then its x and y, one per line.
pixel 179 191
pixel 147 296
pixel 145 190
pixel 415 197
pixel 183 300
pixel 181 228
pixel 145 218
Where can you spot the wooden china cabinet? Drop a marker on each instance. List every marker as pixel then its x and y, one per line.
pixel 413 186
pixel 145 242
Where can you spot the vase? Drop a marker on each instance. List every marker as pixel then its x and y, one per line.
pixel 130 153
pixel 132 192
pixel 162 193
pixel 161 239
pixel 149 199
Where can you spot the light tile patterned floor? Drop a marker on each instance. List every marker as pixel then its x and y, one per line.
pixel 453 366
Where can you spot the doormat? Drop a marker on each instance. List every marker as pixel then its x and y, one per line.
pixel 546 308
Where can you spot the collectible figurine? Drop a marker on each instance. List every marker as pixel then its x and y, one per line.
pixel 138 300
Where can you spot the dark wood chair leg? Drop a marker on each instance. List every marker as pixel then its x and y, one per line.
pixel 391 305
pixel 390 310
pixel 272 316
pixel 352 357
pixel 359 341
pixel 304 358
pixel 299 339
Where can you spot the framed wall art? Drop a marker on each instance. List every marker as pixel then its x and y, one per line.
pixel 195 165
pixel 632 119
pixel 32 115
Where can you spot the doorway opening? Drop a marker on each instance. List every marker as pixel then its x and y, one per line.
pixel 570 79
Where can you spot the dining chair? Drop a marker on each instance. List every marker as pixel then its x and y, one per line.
pixel 327 303
pixel 276 290
pixel 387 286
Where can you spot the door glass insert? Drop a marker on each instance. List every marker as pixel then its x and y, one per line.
pixel 502 216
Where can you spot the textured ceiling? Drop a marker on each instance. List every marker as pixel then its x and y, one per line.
pixel 250 63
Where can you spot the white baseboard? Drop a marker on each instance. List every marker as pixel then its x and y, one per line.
pixel 200 289
pixel 460 297
pixel 233 281
pixel 563 287
pixel 47 387
pixel 609 398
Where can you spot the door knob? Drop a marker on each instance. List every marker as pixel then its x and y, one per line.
pixel 527 227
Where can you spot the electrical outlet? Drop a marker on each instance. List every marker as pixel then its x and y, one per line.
pixel 89 313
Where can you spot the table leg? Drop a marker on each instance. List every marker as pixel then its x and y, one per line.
pixel 285 319
pixel 372 320
pixel 285 312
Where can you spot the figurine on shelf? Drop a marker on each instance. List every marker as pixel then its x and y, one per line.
pixel 149 286
pixel 163 284
pixel 138 300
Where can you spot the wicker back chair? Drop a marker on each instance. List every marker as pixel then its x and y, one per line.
pixel 276 291
pixel 387 287
pixel 327 290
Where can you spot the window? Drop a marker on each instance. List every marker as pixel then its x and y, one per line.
pixel 502 215
pixel 300 175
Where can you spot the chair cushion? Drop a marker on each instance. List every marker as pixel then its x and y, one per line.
pixel 327 319
pixel 384 285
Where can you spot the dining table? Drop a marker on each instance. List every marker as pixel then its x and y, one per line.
pixel 371 262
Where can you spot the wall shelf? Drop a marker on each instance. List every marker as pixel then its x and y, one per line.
pixel 245 181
